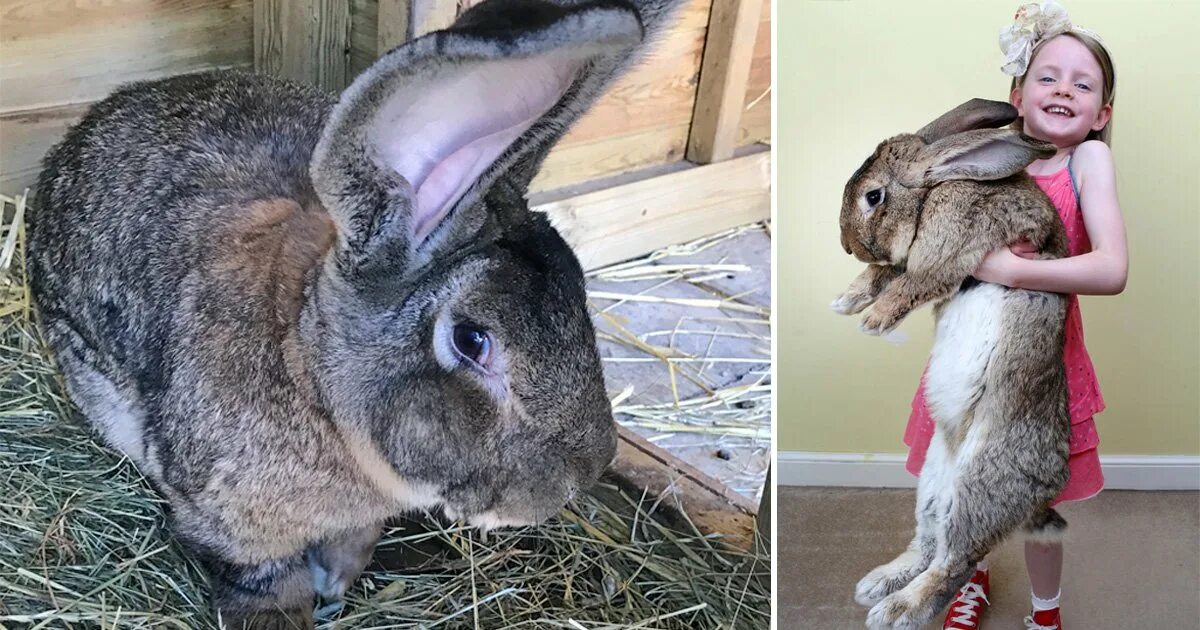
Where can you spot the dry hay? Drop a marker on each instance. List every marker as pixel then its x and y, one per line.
pixel 84 541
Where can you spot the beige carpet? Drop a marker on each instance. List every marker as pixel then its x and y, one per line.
pixel 1132 559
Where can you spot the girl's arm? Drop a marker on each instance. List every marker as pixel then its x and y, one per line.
pixel 1103 270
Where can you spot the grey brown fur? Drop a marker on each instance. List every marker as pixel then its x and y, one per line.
pixel 996 385
pixel 236 290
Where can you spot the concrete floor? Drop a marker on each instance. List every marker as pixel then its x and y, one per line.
pixel 722 348
pixel 1132 559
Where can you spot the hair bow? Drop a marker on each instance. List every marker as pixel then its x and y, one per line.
pixel 1033 24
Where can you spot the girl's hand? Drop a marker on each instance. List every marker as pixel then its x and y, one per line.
pixel 1025 249
pixel 1000 266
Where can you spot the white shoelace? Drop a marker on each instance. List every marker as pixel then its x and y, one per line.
pixel 1030 624
pixel 966 607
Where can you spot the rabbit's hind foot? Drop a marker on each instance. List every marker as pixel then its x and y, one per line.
pixel 925 596
pixel 886 579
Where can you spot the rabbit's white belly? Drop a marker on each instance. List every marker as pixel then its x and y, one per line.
pixel 968 330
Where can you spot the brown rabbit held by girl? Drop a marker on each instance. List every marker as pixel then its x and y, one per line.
pixel 301 314
pixel 923 211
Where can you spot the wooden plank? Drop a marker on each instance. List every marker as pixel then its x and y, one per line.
pixel 303 40
pixel 710 505
pixel 62 52
pixel 365 40
pixel 392 25
pixel 24 139
pixel 724 72
pixel 579 162
pixel 630 220
pixel 756 112
pixel 433 15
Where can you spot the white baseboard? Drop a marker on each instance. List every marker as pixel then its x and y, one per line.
pixel 886 470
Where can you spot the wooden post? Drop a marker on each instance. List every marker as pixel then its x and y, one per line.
pixel 402 20
pixel 303 40
pixel 393 25
pixel 433 15
pixel 724 71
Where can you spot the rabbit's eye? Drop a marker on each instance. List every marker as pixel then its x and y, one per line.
pixel 875 197
pixel 473 343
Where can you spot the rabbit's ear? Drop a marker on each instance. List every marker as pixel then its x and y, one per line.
pixel 416 140
pixel 982 154
pixel 976 113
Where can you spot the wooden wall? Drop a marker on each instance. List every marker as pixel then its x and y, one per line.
pixel 59 56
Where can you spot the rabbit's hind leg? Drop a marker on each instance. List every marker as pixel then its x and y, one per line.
pixel 932 499
pixel 990 501
pixel 108 400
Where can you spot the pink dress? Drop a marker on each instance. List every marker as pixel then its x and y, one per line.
pixel 1083 389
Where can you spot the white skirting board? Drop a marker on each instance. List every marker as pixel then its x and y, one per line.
pixel 886 470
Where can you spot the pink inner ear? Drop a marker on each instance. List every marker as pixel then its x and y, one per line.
pixel 441 132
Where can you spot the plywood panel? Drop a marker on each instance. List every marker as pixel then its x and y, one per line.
pixel 59 52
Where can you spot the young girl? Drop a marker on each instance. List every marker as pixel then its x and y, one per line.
pixel 1063 89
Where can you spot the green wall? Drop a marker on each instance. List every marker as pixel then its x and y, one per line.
pixel 853 73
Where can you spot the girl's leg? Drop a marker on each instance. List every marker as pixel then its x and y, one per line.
pixel 1044 561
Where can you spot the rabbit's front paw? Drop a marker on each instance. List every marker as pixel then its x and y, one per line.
pixel 335 564
pixel 874 323
pixel 850 303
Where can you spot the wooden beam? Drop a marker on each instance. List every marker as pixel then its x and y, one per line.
pixel 724 72
pixel 403 20
pixel 304 40
pixel 393 26
pixel 25 137
pixel 630 220
pixel 709 504
pixel 434 15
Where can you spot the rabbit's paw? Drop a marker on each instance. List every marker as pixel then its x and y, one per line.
pixel 881 582
pixel 850 303
pixel 897 611
pixel 337 563
pixel 874 323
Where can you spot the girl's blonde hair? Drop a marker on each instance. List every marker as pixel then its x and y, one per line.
pixel 1106 68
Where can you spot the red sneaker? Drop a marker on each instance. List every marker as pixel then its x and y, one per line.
pixel 1044 620
pixel 964 613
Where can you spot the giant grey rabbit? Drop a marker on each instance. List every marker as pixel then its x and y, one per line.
pixel 923 211
pixel 301 314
